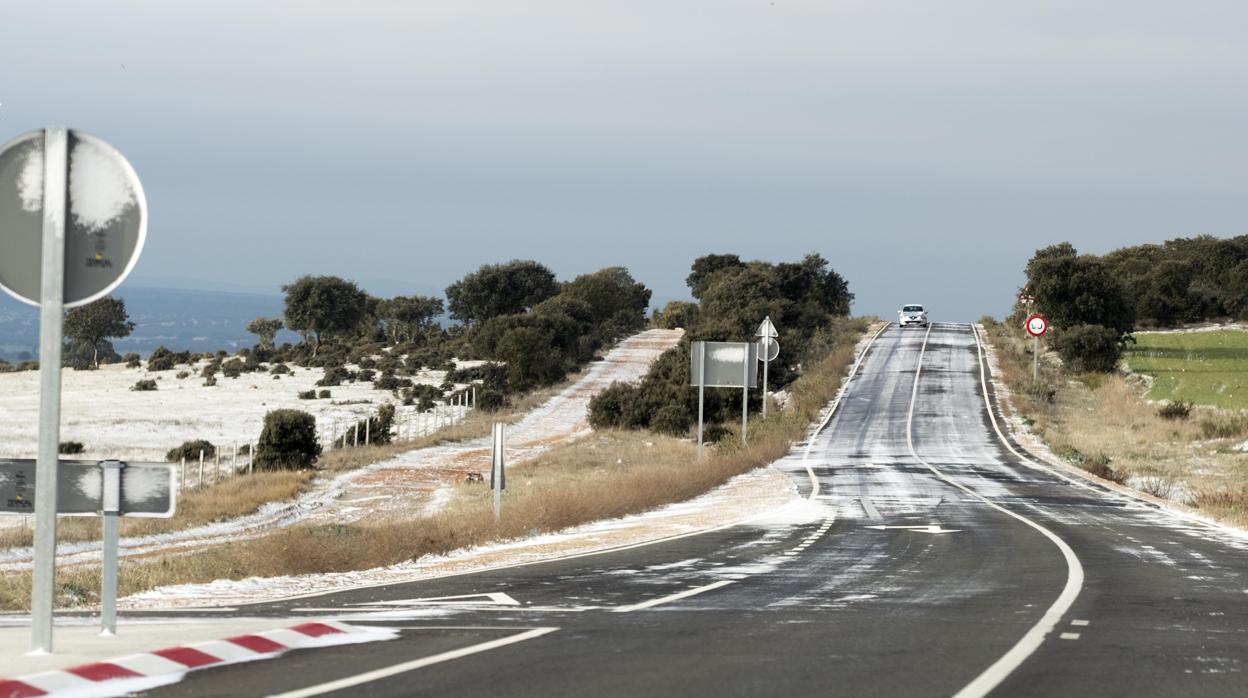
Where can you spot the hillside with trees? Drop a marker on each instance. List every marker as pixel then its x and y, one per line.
pixel 802 298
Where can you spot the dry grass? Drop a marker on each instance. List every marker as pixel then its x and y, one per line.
pixel 1103 424
pixel 606 475
pixel 237 496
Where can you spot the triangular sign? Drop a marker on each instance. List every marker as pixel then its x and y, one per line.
pixel 767 329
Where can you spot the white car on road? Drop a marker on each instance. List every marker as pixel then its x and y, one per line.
pixel 912 315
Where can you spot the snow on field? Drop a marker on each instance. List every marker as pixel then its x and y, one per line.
pixel 764 497
pixel 411 484
pixel 99 409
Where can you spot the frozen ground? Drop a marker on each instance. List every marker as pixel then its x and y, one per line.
pixel 408 485
pixel 99 410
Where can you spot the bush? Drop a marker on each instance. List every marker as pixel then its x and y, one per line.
pixel 488 399
pixel 367 375
pixel 308 395
pixel 1178 409
pixel 210 381
pixel 183 375
pixel 672 419
pixel 232 368
pixel 161 359
pixel 392 383
pixel 375 429
pixel 1088 348
pixel 280 370
pixel 144 385
pixel 288 441
pixel 190 451
pixel 334 375
pixel 69 448
pixel 324 395
pixel 132 360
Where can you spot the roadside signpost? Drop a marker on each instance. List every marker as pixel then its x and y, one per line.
pixel 1036 327
pixel 723 365
pixel 109 489
pixel 768 350
pixel 73 219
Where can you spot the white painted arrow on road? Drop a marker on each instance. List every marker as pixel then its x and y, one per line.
pixel 491 599
pixel 934 528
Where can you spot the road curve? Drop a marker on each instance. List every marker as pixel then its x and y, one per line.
pixel 932 561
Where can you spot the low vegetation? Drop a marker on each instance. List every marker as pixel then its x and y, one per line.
pixel 1103 423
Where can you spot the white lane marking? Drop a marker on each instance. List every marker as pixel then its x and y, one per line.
pixel 1069 636
pixel 496 598
pixel 673 597
pixel 991 677
pixel 836 402
pixel 377 674
pixel 869 508
pixel 1080 623
pixel 934 528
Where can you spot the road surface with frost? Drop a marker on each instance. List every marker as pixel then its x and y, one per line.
pixel 930 557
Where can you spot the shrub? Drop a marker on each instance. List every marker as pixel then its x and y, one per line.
pixel 288 441
pixel 324 395
pixel 1178 409
pixel 672 419
pixel 367 375
pixel 190 450
pixel 132 360
pixel 210 381
pixel 232 368
pixel 69 448
pixel 392 383
pixel 488 399
pixel 1099 466
pixel 279 369
pixel 183 375
pixel 375 429
pixel 161 359
pixel 308 395
pixel 1088 348
pixel 144 385
pixel 1224 427
pixel 334 375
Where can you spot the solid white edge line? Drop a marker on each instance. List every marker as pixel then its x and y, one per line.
pixel 991 677
pixel 672 597
pixel 377 674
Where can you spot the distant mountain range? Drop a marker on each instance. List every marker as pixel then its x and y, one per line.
pixel 180 319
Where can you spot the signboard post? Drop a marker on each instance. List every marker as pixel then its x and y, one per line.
pixel 768 350
pixel 110 489
pixel 73 218
pixel 1036 327
pixel 723 365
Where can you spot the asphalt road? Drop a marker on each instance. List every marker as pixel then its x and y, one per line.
pixel 933 562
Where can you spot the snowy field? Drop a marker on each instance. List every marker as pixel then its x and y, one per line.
pixel 99 410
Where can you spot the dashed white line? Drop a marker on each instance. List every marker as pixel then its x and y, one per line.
pixel 672 597
pixel 1069 636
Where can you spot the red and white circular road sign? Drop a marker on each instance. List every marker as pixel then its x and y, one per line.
pixel 1037 325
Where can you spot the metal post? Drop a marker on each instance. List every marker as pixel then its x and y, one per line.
pixel 701 391
pixel 199 484
pixel 216 466
pixel 182 472
pixel 51 308
pixel 498 468
pixel 110 509
pixel 474 397
pixel 355 439
pixel 745 391
pixel 368 429
pixel 251 458
pixel 765 347
pixel 1035 360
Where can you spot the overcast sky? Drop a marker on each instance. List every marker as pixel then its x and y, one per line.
pixel 926 148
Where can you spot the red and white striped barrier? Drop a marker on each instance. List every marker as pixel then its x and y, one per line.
pixel 179 660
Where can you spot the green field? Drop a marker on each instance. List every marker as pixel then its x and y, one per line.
pixel 1208 368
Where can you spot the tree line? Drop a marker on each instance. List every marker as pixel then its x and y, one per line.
pixel 733 296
